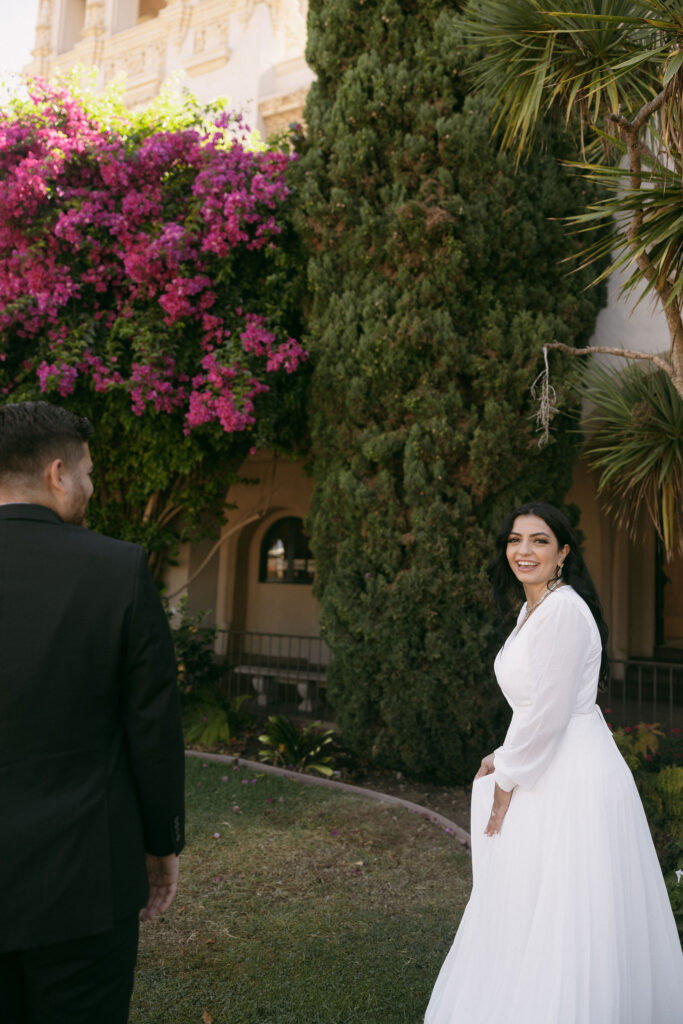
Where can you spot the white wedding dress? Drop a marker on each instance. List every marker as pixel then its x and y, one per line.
pixel 569 921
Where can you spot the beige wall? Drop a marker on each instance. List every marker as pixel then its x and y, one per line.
pixel 275 487
pixel 623 570
pixel 288 608
pixel 228 586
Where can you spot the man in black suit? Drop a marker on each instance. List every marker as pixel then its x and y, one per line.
pixel 91 748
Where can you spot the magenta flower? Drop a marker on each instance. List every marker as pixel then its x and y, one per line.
pixel 138 234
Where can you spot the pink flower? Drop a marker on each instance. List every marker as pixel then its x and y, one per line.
pixel 138 235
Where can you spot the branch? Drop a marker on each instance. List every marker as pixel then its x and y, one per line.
pixel 624 353
pixel 622 121
pixel 150 507
pixel 648 109
pixel 261 509
pixel 238 526
pixel 645 112
pixel 169 514
pixel 665 292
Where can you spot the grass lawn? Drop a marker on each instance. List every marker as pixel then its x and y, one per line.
pixel 299 906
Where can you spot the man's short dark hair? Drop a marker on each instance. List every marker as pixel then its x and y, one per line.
pixel 32 434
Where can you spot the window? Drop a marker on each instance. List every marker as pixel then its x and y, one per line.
pixel 126 14
pixel 285 554
pixel 149 9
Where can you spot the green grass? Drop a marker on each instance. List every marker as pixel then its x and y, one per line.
pixel 311 907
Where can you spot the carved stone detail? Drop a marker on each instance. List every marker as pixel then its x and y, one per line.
pixel 144 51
pixel 278 112
pixel 94 19
pixel 43 43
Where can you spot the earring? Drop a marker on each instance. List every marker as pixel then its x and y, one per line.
pixel 558 571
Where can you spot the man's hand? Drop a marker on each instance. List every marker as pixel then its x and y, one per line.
pixel 486 767
pixel 501 802
pixel 162 873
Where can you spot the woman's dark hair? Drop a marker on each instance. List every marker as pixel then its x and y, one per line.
pixel 507 588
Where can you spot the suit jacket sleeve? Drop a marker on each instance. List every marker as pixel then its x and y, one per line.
pixel 151 717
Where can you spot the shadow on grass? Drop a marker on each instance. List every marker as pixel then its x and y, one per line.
pixel 300 906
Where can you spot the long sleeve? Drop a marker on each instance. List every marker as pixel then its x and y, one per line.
pixel 152 723
pixel 559 643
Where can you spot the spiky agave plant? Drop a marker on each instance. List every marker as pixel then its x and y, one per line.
pixel 303 749
pixel 635 441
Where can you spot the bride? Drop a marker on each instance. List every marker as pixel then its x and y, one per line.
pixel 569 920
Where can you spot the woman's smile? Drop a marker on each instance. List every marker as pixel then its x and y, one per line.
pixel 533 554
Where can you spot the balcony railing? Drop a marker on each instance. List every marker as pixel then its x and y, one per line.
pixel 284 674
pixel 645 691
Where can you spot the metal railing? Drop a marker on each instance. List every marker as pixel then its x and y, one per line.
pixel 283 674
pixel 645 691
pixel 288 675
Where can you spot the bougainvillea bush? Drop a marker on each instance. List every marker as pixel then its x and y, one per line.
pixel 148 279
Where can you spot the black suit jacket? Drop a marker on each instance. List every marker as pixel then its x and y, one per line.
pixel 91 748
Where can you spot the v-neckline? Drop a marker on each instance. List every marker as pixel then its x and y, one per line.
pixel 518 627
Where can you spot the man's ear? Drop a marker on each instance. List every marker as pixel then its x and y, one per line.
pixel 53 476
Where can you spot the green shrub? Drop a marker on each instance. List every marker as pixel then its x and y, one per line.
pixel 208 718
pixel 211 723
pixel 435 280
pixel 198 669
pixel 647 750
pixel 301 749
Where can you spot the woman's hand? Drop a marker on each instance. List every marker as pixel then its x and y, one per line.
pixel 501 802
pixel 486 767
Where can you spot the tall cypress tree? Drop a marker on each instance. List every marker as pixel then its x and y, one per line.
pixel 435 280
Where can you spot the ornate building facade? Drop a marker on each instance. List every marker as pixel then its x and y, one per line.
pixel 251 51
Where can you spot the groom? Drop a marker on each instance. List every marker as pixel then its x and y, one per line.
pixel 91 748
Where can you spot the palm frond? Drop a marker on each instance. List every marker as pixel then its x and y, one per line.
pixel 589 58
pixel 659 236
pixel 635 430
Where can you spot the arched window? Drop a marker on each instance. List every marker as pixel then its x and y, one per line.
pixel 285 554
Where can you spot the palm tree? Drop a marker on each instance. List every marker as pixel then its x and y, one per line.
pixel 613 70
pixel 635 440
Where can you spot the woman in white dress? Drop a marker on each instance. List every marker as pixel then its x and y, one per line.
pixel 569 920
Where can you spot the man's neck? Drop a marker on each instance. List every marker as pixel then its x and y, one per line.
pixel 24 498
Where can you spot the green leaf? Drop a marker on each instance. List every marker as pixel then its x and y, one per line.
pixel 673 66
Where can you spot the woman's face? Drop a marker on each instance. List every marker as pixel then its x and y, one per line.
pixel 533 552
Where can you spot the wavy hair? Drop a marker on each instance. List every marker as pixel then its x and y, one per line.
pixel 507 588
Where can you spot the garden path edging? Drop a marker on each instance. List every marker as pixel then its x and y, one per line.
pixel 369 794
